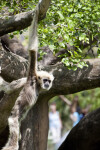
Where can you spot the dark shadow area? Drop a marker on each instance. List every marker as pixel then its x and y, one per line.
pixel 3 138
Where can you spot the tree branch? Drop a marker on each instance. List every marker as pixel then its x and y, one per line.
pixel 66 81
pixel 85 135
pixel 44 5
pixel 22 20
pixel 62 97
pixel 13 66
pixel 13 45
pixel 16 23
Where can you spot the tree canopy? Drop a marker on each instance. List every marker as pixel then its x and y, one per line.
pixel 73 22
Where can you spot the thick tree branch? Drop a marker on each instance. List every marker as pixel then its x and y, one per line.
pixel 85 135
pixel 66 81
pixel 16 23
pixel 44 5
pixel 22 20
pixel 13 64
pixel 13 45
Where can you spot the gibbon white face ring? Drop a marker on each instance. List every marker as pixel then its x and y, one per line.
pixel 45 79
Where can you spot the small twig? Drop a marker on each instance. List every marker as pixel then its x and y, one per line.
pixel 65 100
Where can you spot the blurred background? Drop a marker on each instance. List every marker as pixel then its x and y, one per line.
pixel 66 111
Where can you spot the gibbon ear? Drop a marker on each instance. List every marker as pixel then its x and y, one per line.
pixel 52 76
pixel 51 72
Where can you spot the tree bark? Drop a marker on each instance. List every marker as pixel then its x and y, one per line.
pixel 13 64
pixel 13 45
pixel 34 128
pixel 85 135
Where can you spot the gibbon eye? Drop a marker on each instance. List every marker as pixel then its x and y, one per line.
pixel 45 80
pixel 49 81
pixel 39 78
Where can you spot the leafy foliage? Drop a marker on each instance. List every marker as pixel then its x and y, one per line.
pixel 13 7
pixel 74 22
pixel 68 22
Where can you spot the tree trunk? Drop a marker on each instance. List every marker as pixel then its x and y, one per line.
pixel 34 128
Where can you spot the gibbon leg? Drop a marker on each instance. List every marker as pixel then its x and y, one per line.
pixel 11 87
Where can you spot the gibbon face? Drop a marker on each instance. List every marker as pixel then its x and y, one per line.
pixel 45 79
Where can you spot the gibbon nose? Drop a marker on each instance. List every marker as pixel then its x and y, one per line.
pixel 46 85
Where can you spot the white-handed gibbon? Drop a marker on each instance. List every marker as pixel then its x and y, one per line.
pixel 36 80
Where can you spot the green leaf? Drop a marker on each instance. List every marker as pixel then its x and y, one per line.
pixel 62 44
pixel 98 52
pixel 51 47
pixel 60 15
pixel 82 36
pixel 44 36
pixel 80 66
pixel 66 61
pixel 74 68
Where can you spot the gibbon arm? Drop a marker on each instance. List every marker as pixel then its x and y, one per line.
pixel 33 46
